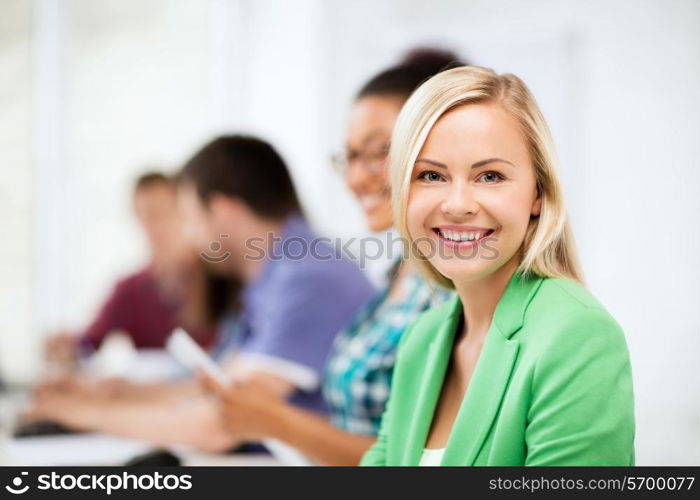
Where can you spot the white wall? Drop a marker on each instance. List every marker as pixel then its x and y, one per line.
pixel 147 82
pixel 15 182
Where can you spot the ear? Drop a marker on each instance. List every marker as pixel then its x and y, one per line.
pixel 536 207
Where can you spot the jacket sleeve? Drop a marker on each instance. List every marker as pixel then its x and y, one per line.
pixel 582 408
pixel 376 455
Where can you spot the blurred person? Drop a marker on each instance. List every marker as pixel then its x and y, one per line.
pixel 524 366
pixel 170 291
pixel 241 208
pixel 359 371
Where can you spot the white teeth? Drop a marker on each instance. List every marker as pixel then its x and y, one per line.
pixel 460 235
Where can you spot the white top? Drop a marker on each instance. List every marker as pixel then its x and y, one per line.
pixel 431 458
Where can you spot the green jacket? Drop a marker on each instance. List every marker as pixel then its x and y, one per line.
pixel 552 385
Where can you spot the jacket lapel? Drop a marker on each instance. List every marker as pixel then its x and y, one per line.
pixel 492 374
pixel 431 379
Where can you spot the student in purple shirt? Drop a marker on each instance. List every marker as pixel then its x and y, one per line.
pixel 241 209
pixel 292 309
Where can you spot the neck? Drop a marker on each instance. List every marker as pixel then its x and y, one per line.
pixel 163 264
pixel 261 237
pixel 171 273
pixel 480 298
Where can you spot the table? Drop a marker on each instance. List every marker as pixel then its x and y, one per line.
pixel 94 449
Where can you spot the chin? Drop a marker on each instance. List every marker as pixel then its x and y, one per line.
pixel 464 271
pixel 377 224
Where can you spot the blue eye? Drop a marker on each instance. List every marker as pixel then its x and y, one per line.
pixel 490 177
pixel 430 176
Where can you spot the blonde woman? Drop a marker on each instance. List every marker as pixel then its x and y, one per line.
pixel 524 367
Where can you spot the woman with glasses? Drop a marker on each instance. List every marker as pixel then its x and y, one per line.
pixel 360 367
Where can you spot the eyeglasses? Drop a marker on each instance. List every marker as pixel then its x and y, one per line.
pixel 372 159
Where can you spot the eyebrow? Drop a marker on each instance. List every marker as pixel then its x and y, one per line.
pixel 478 164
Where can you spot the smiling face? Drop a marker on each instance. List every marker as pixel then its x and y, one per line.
pixel 371 122
pixel 472 193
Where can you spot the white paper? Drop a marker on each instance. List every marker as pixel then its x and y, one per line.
pixel 186 350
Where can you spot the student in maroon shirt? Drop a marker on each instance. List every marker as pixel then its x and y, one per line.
pixel 173 290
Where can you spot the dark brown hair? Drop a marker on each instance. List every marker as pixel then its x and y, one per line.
pixel 417 66
pixel 246 168
pixel 222 296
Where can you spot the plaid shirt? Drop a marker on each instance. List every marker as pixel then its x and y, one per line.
pixel 358 373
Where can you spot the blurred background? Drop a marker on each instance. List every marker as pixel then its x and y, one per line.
pixel 92 92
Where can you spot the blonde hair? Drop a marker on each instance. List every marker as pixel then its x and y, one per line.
pixel 548 248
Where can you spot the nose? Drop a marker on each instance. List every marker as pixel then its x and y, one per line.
pixel 460 200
